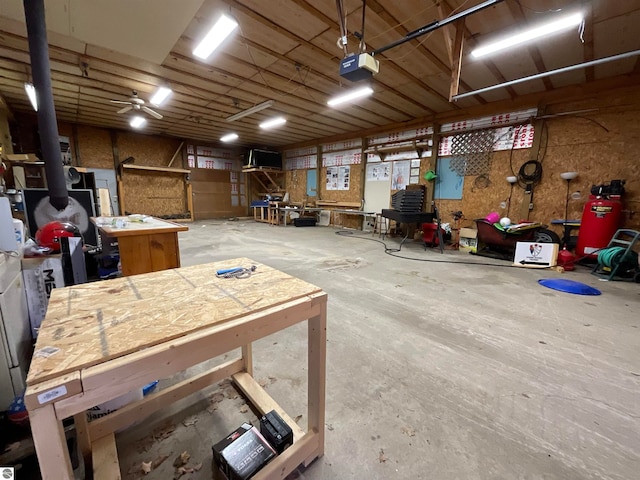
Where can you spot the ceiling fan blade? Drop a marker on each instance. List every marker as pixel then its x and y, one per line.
pixel 153 113
pixel 120 102
pixel 125 109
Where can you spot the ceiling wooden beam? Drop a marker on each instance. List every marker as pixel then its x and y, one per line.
pixel 495 71
pixel 251 44
pixel 516 10
pixel 391 66
pixel 457 56
pixel 590 72
pixel 449 35
pixel 419 45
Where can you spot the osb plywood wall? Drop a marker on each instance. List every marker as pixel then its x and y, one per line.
pixel 355 192
pixel 490 193
pixel 161 195
pixel 151 193
pixel 148 150
pixel 601 145
pixel 94 147
pixel 296 186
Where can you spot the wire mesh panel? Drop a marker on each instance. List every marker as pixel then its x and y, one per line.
pixel 472 152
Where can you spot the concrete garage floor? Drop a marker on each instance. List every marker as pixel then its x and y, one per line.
pixel 434 370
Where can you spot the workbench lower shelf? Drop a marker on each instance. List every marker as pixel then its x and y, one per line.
pixel 104 454
pixel 230 319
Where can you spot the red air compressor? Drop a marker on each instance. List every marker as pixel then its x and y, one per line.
pixel 601 218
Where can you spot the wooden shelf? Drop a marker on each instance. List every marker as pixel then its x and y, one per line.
pixel 130 166
pixel 329 204
pixel 266 169
pixel 181 171
pixel 419 145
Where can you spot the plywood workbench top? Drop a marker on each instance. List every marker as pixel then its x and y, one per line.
pixel 92 323
pixel 133 227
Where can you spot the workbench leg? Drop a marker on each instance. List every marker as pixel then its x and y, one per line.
pixel 50 443
pixel 84 440
pixel 247 359
pixel 317 373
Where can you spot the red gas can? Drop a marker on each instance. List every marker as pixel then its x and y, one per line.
pixel 601 218
pixel 566 260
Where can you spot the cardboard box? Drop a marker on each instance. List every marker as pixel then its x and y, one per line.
pixel 468 240
pixel 536 255
pixel 41 275
pixel 242 453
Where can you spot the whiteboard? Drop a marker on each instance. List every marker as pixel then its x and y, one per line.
pixel 377 194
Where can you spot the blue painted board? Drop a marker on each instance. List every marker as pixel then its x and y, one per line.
pixel 448 183
pixel 312 183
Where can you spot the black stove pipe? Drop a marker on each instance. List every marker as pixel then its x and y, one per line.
pixel 47 123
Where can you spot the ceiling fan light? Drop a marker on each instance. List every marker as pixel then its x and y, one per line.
pixel 229 137
pixel 137 121
pixel 544 30
pixel 31 93
pixel 272 123
pixel 160 96
pixel 221 30
pixel 349 96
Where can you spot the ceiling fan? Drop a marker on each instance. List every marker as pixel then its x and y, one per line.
pixel 136 103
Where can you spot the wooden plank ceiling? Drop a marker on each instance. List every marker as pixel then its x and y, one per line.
pixel 286 51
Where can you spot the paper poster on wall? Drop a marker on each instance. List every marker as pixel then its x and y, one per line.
pixel 415 163
pixel 448 183
pixel 338 178
pixel 378 172
pixel 400 178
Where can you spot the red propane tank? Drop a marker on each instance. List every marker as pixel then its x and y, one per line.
pixel 600 219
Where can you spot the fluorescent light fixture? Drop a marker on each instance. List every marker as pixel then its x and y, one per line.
pixel 229 137
pixel 250 111
pixel 160 96
pixel 352 95
pixel 221 30
pixel 31 93
pixel 531 34
pixel 274 122
pixel 137 122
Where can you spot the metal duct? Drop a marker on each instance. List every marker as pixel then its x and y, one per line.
pixel 47 123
